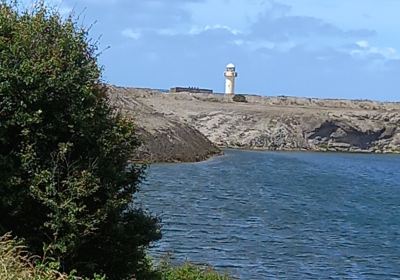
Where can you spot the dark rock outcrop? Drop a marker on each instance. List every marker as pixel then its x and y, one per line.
pixel 335 135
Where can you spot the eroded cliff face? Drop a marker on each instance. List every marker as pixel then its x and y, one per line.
pixel 319 131
pixel 282 123
pixel 165 138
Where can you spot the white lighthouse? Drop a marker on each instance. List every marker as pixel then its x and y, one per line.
pixel 230 76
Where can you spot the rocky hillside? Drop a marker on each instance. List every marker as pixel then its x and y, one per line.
pixel 273 123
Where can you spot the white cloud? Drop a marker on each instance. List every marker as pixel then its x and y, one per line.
pixel 265 44
pixel 365 49
pixel 131 34
pixel 167 32
pixel 363 44
pixel 195 30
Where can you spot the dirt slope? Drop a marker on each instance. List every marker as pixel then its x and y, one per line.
pixel 165 138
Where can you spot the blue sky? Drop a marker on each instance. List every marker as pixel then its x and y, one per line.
pixel 313 48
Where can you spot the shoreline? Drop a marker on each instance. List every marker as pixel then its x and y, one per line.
pixel 217 156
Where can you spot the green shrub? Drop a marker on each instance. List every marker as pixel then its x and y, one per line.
pixel 65 186
pixel 239 98
pixel 189 271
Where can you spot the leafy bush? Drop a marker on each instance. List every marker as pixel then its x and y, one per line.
pixel 65 186
pixel 239 98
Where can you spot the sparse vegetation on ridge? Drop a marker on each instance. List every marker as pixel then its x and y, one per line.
pixel 239 98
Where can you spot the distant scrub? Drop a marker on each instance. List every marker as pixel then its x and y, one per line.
pixel 239 98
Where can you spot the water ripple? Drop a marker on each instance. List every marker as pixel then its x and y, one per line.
pixel 265 215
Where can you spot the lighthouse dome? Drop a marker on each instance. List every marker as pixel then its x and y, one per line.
pixel 230 65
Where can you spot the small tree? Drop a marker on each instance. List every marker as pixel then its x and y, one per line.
pixel 65 186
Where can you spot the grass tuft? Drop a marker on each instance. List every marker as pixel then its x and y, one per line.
pixel 17 264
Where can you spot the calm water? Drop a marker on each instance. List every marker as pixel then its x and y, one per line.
pixel 267 215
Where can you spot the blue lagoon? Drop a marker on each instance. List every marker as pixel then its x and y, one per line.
pixel 281 215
